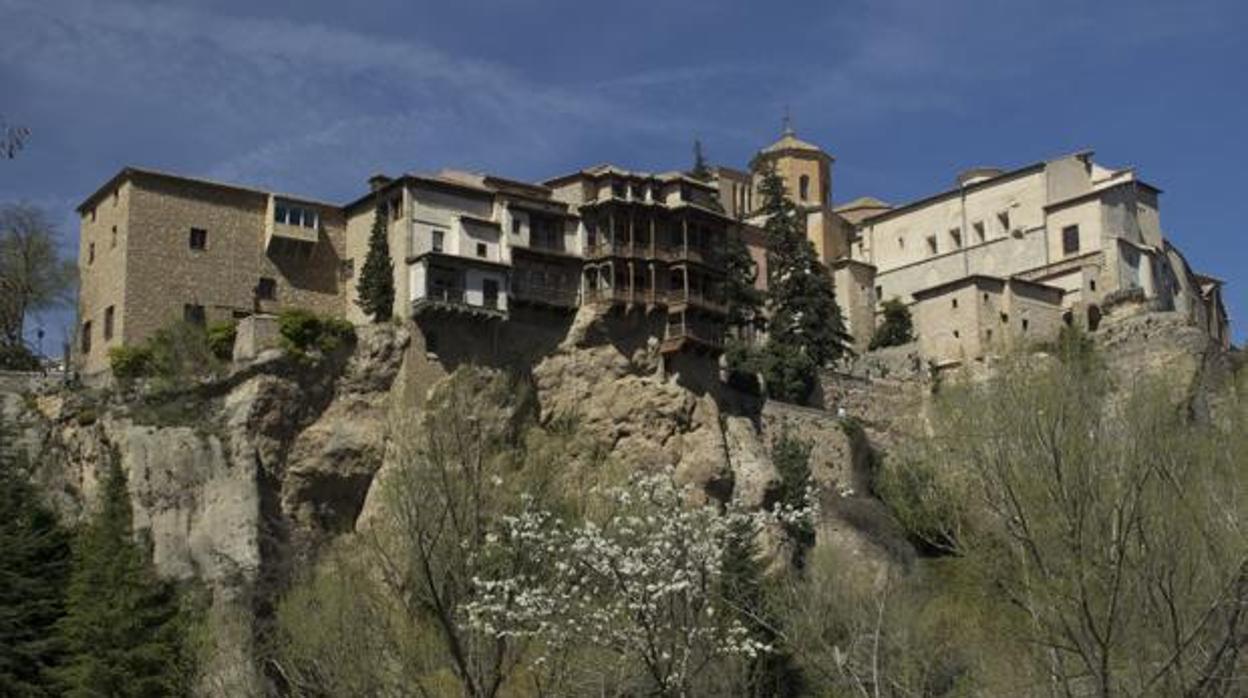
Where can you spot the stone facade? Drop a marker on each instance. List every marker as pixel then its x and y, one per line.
pixel 1057 237
pixel 158 248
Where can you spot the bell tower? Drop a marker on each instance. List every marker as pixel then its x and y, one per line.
pixel 807 173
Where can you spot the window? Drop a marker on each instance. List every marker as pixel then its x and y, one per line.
pixel 985 297
pixel 108 323
pixel 396 209
pixel 1005 317
pixel 437 239
pixel 279 214
pixel 1003 219
pixel 86 337
pixel 803 187
pixel 617 190
pixel 515 225
pixel 266 290
pixel 193 314
pixel 90 252
pixel 955 236
pixel 113 240
pixel 92 215
pixel 956 334
pixel 979 231
pixel 489 290
pixel 1092 284
pixel 348 268
pixel 199 239
pixel 988 334
pixel 1025 323
pixel 116 195
pixel 1070 239
pixel 879 292
pixel 931 244
pixel 482 250
pixel 901 243
pixel 955 302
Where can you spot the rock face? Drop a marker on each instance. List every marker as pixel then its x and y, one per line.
pixel 240 482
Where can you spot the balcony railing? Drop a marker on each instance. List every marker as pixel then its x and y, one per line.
pixel 696 299
pixel 562 296
pixel 455 298
pixel 686 330
pixel 643 250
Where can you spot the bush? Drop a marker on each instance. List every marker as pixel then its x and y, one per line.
pixel 17 357
pixel 743 367
pixel 303 330
pixel 896 329
pixel 789 372
pixel 221 337
pixel 130 362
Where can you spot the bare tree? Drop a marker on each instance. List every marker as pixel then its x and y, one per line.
pixel 1112 524
pixel 33 275
pixel 12 139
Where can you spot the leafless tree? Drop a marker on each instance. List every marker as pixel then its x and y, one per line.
pixel 33 275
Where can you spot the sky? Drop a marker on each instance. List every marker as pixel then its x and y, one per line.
pixel 312 97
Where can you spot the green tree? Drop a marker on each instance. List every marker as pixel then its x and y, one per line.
pixel 377 277
pixel 788 371
pixel 34 568
pixel 744 300
pixel 744 589
pixel 896 329
pixel 791 456
pixel 123 630
pixel 802 303
pixel 700 170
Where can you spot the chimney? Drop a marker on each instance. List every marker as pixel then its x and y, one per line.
pixel 377 181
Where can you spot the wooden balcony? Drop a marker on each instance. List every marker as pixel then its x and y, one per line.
pixel 454 300
pixel 690 333
pixel 544 294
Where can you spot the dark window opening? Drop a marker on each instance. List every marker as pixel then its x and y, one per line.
pixel 1070 239
pixel 1092 284
pixel 482 250
pixel 515 225
pixel 955 302
pixel 438 238
pixel 194 314
pixel 956 334
pixel 266 290
pixel 108 323
pixel 86 337
pixel 490 292
pixel 1025 324
pixel 113 240
pixel 803 186
pixel 90 253
pixel 199 239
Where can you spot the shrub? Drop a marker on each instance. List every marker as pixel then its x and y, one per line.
pixel 130 362
pixel 789 372
pixel 896 329
pixel 17 357
pixel 743 366
pixel 221 337
pixel 179 352
pixel 303 330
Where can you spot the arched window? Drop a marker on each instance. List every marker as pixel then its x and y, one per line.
pixel 803 187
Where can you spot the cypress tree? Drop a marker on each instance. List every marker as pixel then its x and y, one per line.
pixel 700 171
pixel 34 569
pixel 123 630
pixel 377 277
pixel 745 302
pixel 804 312
pixel 743 588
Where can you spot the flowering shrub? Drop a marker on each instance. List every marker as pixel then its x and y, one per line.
pixel 642 583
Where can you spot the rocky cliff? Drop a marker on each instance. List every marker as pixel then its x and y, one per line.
pixel 237 483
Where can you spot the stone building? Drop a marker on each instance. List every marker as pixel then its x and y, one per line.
pixel 1000 258
pixel 155 248
pixel 1090 235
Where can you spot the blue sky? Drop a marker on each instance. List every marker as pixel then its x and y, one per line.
pixel 312 97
